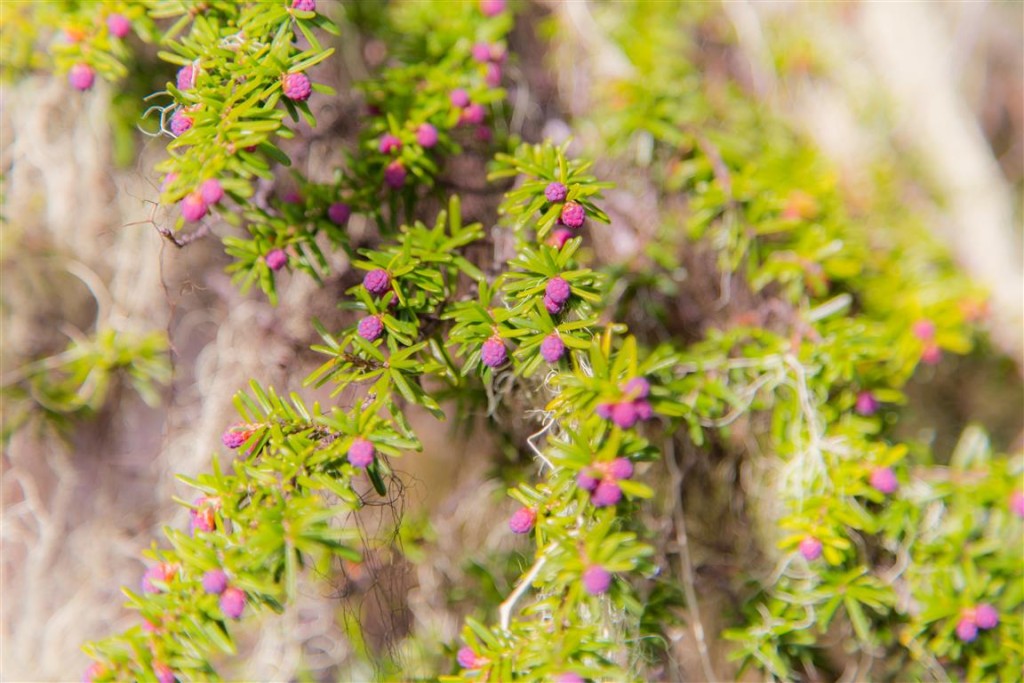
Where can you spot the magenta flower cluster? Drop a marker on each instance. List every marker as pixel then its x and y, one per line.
pixel 983 616
pixel 631 407
pixel 602 481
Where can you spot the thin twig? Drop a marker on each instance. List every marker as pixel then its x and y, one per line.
pixel 505 610
pixel 685 563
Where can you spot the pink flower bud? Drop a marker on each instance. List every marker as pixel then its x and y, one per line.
pixel 638 387
pixel 596 580
pixel 426 135
pixel 389 143
pixel 119 25
pixel 370 328
pixel 924 330
pixel 232 602
pixel 339 213
pixel 193 208
pixel 473 114
pixel 377 281
pixel 492 77
pixel 569 677
pixel 181 123
pixel 361 452
pixel 966 630
pixel 866 404
pixel 556 192
pixel 468 659
pixel 573 214
pixel 276 259
pixel 394 174
pixel 523 520
pixel 215 581
pixel 236 436
pixel 163 572
pixel 620 468
pixel 492 8
pixel 459 98
pixel 211 191
pixel 186 79
pixel 986 616
pixel 163 673
pixel 586 480
pixel 624 414
pixel 552 348
pixel 558 290
pixel 204 516
pixel 931 354
pixel 884 479
pixel 81 76
pixel 297 87
pixel 493 353
pixel 1017 503
pixel 558 237
pixel 810 548
pixel 552 306
pixel 606 494
pixel 304 5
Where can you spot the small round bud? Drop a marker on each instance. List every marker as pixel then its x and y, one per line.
pixel 931 354
pixel 492 8
pixel 624 414
pixel 459 98
pixel 556 192
pixel 523 520
pixel 573 214
pixel 966 630
pixel 924 330
pixel 426 135
pixel 186 79
pixel 866 404
pixel 235 437
pixel 606 494
pixel 596 580
pixel 492 77
pixel 204 516
pixel 394 174
pixel 232 602
pixel 339 213
pixel 1017 503
pixel 493 352
pixel 552 306
pixel 986 616
pixel 215 581
pixel 81 76
pixel 473 114
pixel 163 673
pixel 558 237
pixel 810 548
pixel 361 452
pixel 297 87
pixel 193 207
pixel 276 259
pixel 119 25
pixel 370 328
pixel 638 387
pixel 377 281
pixel 558 290
pixel 304 5
pixel 211 191
pixel 468 659
pixel 552 348
pixel 389 143
pixel 181 123
pixel 586 480
pixel 620 468
pixel 884 479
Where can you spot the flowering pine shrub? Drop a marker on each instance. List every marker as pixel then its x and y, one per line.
pixel 629 408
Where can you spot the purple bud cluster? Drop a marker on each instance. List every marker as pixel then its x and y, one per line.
pixel 556 294
pixel 238 435
pixel 883 479
pixel 203 517
pixel 370 328
pixel 493 353
pixel 523 521
pixel 631 407
pixel 377 281
pixel 197 204
pixel 983 616
pixel 596 580
pixel 296 87
pixel 361 452
pixel 552 348
pixel 602 481
pixel 469 659
pixel 810 547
